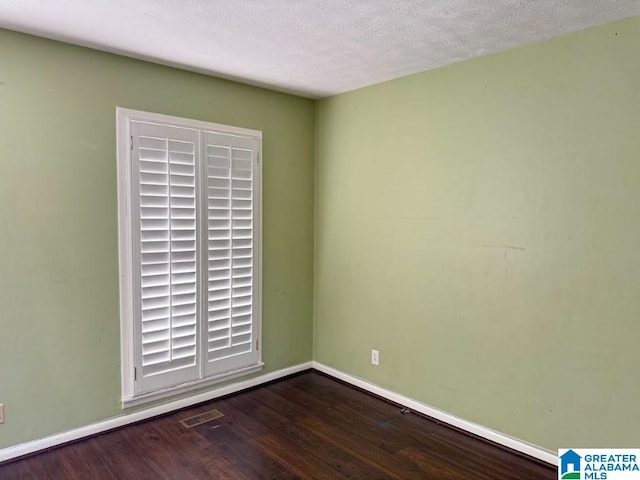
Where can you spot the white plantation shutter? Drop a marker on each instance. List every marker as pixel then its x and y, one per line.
pixel 232 188
pixel 189 212
pixel 164 161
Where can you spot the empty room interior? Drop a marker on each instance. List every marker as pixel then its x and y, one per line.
pixel 343 239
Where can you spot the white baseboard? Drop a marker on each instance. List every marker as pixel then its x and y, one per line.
pixel 116 422
pixel 121 421
pixel 484 432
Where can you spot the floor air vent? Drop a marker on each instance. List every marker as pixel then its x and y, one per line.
pixel 202 418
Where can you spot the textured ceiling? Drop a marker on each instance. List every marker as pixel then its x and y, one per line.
pixel 313 48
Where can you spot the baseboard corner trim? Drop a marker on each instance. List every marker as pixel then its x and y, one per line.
pixel 34 446
pixel 494 436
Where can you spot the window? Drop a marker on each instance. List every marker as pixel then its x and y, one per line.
pixel 189 218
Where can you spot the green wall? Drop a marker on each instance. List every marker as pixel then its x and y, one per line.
pixel 480 226
pixel 59 324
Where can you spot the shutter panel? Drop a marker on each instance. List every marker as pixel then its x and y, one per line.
pixel 165 163
pixel 232 253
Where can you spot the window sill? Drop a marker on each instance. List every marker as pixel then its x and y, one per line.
pixel 141 399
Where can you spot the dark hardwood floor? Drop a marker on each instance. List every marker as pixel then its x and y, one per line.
pixel 304 427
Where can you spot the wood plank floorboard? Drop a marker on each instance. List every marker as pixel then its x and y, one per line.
pixel 305 427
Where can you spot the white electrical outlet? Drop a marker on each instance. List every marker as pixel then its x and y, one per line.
pixel 1 413
pixel 375 357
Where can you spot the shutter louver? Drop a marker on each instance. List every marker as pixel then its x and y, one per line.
pixel 165 167
pixel 230 166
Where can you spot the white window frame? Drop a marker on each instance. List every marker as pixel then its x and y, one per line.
pixel 126 235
